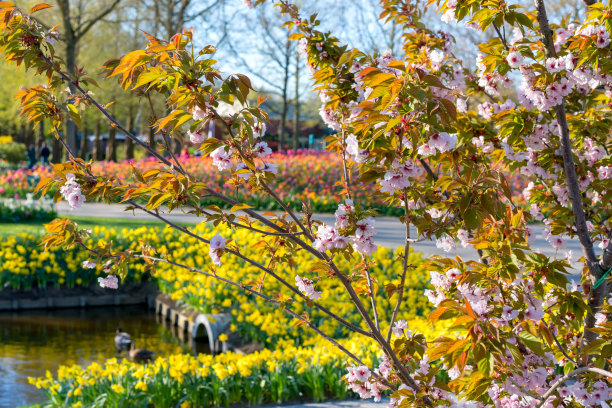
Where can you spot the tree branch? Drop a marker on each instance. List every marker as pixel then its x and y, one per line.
pixel 566 377
pixel 82 29
pixel 268 299
pixel 400 297
pixel 596 269
pixel 255 264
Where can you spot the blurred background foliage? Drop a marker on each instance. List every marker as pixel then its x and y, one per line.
pixel 248 41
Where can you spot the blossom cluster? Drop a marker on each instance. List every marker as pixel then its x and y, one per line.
pixel 306 286
pixel 399 176
pixel 330 238
pixel 71 191
pixel 223 155
pixel 217 245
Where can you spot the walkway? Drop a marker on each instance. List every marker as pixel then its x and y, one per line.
pixel 390 233
pixel 336 404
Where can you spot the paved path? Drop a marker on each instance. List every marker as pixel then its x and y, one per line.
pixel 335 404
pixel 390 233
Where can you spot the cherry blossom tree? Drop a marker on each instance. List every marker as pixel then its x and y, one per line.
pixel 435 140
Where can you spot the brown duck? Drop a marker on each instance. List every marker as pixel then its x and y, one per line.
pixel 140 355
pixel 123 340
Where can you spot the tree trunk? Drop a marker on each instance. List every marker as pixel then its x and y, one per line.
pixel 97 148
pixel 129 144
pixel 58 151
pixel 296 108
pixel 281 131
pixel 40 139
pixel 84 144
pixel 21 133
pixel 151 140
pixel 29 135
pixel 71 129
pixel 111 145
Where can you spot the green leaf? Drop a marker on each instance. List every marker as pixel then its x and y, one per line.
pixel 485 365
pixel 74 113
pixel 471 219
pixel 532 342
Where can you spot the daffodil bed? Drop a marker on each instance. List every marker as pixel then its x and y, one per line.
pixel 297 364
pixel 288 373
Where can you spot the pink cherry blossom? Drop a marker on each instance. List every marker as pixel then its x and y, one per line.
pixel 87 264
pixel 262 149
pixel 329 238
pixel 222 159
pixel 217 245
pixel 446 243
pixel 514 59
pixel 604 172
pixel 110 282
pixel 307 288
pixel 399 328
pixel 76 199
pixel 197 137
pixel 352 148
pixel 259 129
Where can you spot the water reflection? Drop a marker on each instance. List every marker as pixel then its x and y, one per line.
pixel 32 342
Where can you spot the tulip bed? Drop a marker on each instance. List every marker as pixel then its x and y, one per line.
pixel 302 175
pixel 296 365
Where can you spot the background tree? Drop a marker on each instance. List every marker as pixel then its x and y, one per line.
pixel 78 17
pixel 263 50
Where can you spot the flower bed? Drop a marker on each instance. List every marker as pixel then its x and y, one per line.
pixel 24 265
pixel 12 210
pixel 289 373
pixel 302 175
pixel 296 366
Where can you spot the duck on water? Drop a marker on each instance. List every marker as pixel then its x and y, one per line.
pixel 123 342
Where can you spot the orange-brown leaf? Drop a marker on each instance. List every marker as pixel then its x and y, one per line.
pixel 38 7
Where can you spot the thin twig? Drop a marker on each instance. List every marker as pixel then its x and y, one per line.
pixel 257 265
pixel 400 295
pixel 566 377
pixel 559 344
pixel 523 390
pixel 372 297
pixel 346 173
pixel 268 299
pixel 502 38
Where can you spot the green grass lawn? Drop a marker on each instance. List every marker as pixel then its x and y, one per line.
pixel 12 228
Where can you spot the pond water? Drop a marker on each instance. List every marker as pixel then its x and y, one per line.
pixel 34 341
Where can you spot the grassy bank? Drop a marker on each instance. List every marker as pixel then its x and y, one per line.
pixel 35 227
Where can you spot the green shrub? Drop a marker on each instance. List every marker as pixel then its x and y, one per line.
pixel 13 152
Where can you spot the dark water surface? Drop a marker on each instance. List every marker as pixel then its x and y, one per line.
pixel 34 341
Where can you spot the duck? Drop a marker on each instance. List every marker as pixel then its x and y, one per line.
pixel 140 355
pixel 123 341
